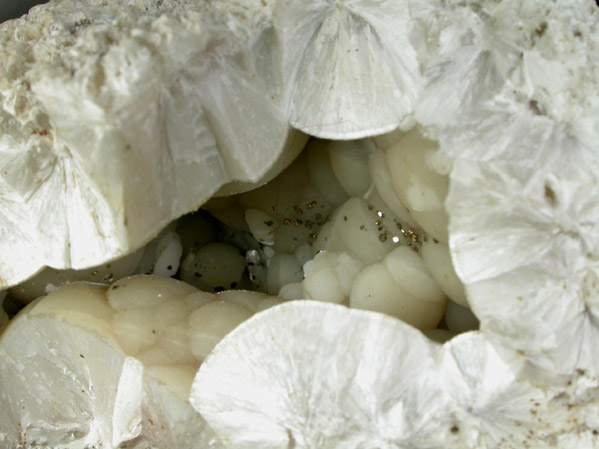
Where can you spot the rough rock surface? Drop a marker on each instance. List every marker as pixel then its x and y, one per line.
pixel 117 117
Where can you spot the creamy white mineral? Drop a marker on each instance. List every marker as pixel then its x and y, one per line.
pixel 64 354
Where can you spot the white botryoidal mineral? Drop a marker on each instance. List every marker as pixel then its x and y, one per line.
pixel 505 94
pixel 91 366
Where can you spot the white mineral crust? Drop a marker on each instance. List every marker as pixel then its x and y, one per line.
pixel 349 67
pixel 512 97
pixel 117 117
pixel 311 375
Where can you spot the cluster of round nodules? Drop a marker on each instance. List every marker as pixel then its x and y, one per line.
pixel 285 216
pixel 385 248
pixel 168 325
pixel 360 223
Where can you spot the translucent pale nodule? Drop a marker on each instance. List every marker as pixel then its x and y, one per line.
pixel 168 254
pixel 254 301
pixel 354 229
pixel 322 174
pixel 437 259
pixel 211 322
pixel 81 304
pixel 419 187
pixel 283 269
pixel 329 277
pixel 386 191
pixel 292 291
pixel 179 377
pixel 349 161
pixel 169 327
pixel 138 292
pixel 402 287
pixel 78 358
pixel 261 225
pixel 138 329
pixel 213 266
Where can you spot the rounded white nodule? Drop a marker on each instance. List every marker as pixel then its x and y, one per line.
pixel 355 228
pixel 168 255
pixel 322 175
pixel 138 292
pixel 349 161
pixel 253 301
pixel 211 322
pixel 419 187
pixel 138 329
pixel 437 259
pixel 217 265
pixel 329 277
pixel 283 269
pixel 261 225
pixel 81 304
pixel 401 287
pixel 292 291
pixel 386 191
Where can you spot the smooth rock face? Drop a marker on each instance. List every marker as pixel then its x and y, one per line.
pixel 117 117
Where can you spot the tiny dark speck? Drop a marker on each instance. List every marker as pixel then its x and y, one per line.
pixel 550 195
pixel 81 355
pixel 540 31
pixel 535 107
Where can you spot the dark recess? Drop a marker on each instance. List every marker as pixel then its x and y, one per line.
pixel 11 9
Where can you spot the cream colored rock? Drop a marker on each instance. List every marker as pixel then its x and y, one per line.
pixel 50 279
